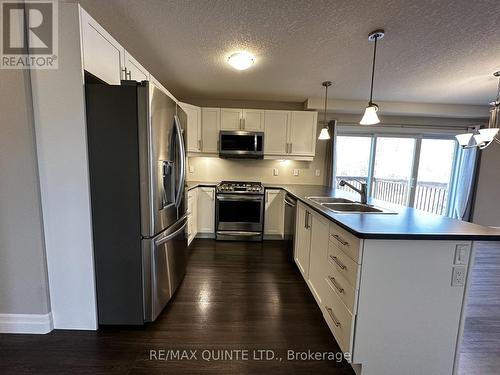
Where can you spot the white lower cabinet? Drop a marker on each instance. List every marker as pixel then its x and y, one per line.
pixel 302 243
pixel 403 313
pixel 331 274
pixel 274 214
pixel 206 211
pixel 318 250
pixel 192 212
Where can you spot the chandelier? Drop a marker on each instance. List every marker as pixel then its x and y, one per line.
pixel 484 137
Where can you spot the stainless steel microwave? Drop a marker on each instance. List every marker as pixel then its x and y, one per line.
pixel 241 144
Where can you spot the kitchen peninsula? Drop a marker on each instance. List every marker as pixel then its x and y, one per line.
pixel 391 287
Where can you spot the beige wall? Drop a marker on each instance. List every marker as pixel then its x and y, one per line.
pixel 216 169
pixel 213 169
pixel 487 202
pixel 23 273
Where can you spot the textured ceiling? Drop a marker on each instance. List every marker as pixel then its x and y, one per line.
pixel 434 51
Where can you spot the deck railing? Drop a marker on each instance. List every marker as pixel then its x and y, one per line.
pixel 429 196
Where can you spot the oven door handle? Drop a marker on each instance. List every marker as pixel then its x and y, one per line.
pixel 241 197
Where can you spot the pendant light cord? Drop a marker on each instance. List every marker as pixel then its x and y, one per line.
pixel 373 68
pixel 326 101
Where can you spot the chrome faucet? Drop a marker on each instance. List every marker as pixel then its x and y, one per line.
pixel 362 191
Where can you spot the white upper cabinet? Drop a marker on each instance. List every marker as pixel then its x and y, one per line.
pixel 103 56
pixel 230 119
pixel 302 133
pixel 252 120
pixel 290 134
pixel 210 127
pixel 242 119
pixel 275 138
pixel 206 210
pixel 193 137
pixel 274 214
pixel 133 70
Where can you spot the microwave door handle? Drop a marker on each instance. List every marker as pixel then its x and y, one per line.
pixel 182 161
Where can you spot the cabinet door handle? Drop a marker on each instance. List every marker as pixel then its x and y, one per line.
pixel 334 318
pixel 244 124
pixel 336 285
pixel 305 219
pixel 338 262
pixel 124 70
pixel 291 147
pixel 199 144
pixel 129 75
pixel 340 239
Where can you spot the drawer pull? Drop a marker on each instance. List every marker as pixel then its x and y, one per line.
pixel 338 262
pixel 335 284
pixel 340 239
pixel 334 318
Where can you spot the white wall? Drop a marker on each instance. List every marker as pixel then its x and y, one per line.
pixel 23 273
pixel 487 200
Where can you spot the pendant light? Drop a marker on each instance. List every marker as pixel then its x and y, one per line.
pixel 485 137
pixel 325 134
pixel 370 117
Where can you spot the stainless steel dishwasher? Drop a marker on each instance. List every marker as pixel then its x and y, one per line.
pixel 290 208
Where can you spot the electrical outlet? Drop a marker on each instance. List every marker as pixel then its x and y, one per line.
pixel 317 173
pixel 295 172
pixel 191 169
pixel 461 254
pixel 458 276
pixel 275 171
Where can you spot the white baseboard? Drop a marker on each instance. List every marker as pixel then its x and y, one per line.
pixel 26 323
pixel 205 235
pixel 273 237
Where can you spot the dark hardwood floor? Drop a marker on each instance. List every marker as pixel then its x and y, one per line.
pixel 240 296
pixel 234 296
pixel 480 352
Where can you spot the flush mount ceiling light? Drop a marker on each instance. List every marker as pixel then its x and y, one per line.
pixel 485 137
pixel 241 60
pixel 370 117
pixel 325 134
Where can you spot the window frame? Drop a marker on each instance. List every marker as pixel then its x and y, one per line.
pixel 402 132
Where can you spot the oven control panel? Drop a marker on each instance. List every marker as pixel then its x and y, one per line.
pixel 240 187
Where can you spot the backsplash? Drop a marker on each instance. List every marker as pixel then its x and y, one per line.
pixel 213 169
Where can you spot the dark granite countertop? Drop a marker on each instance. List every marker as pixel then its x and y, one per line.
pixel 408 223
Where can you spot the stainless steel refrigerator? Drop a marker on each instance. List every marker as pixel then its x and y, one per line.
pixel 137 171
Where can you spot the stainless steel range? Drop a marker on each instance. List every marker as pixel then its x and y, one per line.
pixel 239 211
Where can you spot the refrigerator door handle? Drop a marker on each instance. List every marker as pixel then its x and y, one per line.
pixel 182 155
pixel 160 241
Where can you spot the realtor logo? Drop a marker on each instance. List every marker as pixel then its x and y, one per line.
pixel 29 34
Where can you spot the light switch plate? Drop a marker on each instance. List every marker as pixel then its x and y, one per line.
pixel 191 169
pixel 275 171
pixel 317 172
pixel 295 172
pixel 461 254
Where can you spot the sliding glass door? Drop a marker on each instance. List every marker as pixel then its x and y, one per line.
pixel 392 172
pixel 435 169
pixel 408 170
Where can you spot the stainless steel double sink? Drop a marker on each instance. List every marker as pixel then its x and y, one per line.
pixel 342 205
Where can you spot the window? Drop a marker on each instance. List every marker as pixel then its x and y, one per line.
pixel 409 170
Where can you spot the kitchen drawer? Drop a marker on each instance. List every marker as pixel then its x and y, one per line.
pixel 341 264
pixel 336 283
pixel 349 243
pixel 339 319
